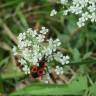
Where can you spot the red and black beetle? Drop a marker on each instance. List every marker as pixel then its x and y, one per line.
pixel 38 71
pixel 35 71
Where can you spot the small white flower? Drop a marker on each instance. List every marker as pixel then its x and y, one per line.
pixel 31 32
pixel 85 16
pixel 48 51
pixel 93 17
pixel 44 30
pixel 53 12
pixel 50 46
pixel 59 70
pixel 81 22
pixel 58 56
pixel 26 69
pixel 36 48
pixel 26 54
pixel 92 8
pixel 50 58
pixel 65 12
pixel 40 38
pixel 22 44
pixel 39 56
pixel 75 9
pixel 14 50
pixel 28 43
pixel 21 36
pixel 57 42
pixel 34 60
pixel 64 60
pixel 22 61
pixel 34 33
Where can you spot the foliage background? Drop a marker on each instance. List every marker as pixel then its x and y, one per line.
pixel 80 43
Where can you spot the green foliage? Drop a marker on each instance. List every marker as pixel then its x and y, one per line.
pixel 80 44
pixel 75 88
pixel 92 90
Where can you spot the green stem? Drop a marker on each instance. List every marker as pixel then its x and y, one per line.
pixel 83 62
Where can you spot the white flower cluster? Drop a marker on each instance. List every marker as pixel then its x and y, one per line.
pixel 53 12
pixel 59 70
pixel 63 60
pixel 33 46
pixel 86 9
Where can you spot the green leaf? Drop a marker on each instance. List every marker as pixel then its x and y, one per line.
pixel 11 71
pixel 87 61
pixel 76 54
pixel 76 87
pixel 11 3
pixel 93 90
pixel 72 23
pixel 21 16
pixel 87 55
pixel 5 60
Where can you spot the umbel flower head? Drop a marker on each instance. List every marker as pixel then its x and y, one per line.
pixel 35 52
pixel 86 9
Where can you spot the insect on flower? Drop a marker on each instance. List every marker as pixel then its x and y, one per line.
pixel 38 71
pixel 33 56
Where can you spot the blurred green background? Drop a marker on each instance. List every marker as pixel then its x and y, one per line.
pixel 80 43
